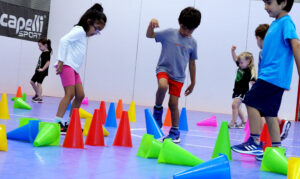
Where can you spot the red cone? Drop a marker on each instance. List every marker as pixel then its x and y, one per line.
pixel 19 92
pixel 74 138
pixel 95 135
pixel 123 136
pixel 103 112
pixel 265 137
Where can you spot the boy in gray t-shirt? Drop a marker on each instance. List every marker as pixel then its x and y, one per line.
pixel 179 48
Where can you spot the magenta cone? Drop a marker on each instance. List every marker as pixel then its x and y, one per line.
pixel 212 121
pixel 247 134
pixel 247 128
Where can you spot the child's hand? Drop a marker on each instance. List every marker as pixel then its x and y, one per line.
pixel 233 48
pixel 189 90
pixel 59 67
pixel 154 23
pixel 40 70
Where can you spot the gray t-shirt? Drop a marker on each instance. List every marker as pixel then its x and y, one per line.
pixel 176 52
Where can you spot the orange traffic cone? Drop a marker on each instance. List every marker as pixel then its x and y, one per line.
pixel 119 109
pixel 74 138
pixel 123 136
pixel 265 137
pixel 19 92
pixel 103 112
pixel 168 121
pixel 95 135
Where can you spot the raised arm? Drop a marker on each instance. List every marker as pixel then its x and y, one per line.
pixel 192 68
pixel 152 25
pixel 295 43
pixel 234 56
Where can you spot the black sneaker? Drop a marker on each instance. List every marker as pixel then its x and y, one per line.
pixel 35 96
pixel 37 100
pixel 63 128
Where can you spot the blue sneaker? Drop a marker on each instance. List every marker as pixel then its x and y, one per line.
pixel 157 114
pixel 174 134
pixel 249 147
pixel 259 157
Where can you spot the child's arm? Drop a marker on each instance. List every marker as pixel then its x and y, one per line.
pixel 295 43
pixel 44 67
pixel 150 31
pixel 192 68
pixel 234 56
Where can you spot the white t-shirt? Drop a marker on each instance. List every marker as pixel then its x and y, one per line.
pixel 72 48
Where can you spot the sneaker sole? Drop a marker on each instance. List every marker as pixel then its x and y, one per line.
pixel 285 132
pixel 255 152
pixel 177 141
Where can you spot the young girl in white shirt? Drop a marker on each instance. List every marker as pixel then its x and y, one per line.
pixel 71 53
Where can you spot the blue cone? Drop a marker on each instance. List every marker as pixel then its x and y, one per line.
pixel 183 125
pixel 216 168
pixel 152 126
pixel 111 120
pixel 27 132
pixel 69 107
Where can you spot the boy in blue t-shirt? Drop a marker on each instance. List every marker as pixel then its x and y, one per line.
pixel 281 45
pixel 179 48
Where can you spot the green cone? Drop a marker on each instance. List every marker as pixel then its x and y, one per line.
pixel 149 147
pixel 23 121
pixel 173 154
pixel 223 143
pixel 274 160
pixel 49 135
pixel 19 103
pixel 24 97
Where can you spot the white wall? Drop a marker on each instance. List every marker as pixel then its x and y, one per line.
pixel 121 61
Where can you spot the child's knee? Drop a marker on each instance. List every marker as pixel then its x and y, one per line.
pixel 163 88
pixel 80 96
pixel 173 105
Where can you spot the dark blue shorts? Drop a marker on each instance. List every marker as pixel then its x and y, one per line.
pixel 265 97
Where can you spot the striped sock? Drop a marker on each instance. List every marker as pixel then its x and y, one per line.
pixel 276 144
pixel 256 138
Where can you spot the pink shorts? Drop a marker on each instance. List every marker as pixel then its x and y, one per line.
pixel 69 77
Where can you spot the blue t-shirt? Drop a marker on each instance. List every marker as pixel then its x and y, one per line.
pixel 276 66
pixel 176 52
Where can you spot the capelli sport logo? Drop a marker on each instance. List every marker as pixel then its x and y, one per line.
pixel 26 28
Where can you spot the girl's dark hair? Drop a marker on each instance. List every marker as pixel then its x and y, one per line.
pixel 94 13
pixel 46 41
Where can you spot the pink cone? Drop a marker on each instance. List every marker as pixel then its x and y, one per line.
pixel 212 121
pixel 247 126
pixel 247 133
pixel 85 100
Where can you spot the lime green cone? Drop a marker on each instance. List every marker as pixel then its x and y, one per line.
pixel 223 143
pixel 24 97
pixel 144 146
pixel 19 103
pixel 173 154
pixel 24 120
pixel 274 160
pixel 149 147
pixel 49 135
pixel 154 149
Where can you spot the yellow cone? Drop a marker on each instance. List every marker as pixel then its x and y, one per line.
pixel 131 112
pixel 4 107
pixel 87 125
pixel 3 138
pixel 84 114
pixel 293 168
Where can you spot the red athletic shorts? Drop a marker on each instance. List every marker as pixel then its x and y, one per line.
pixel 174 86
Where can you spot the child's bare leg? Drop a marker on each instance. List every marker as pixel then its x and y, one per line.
pixel 161 91
pixel 34 87
pixel 254 120
pixel 273 127
pixel 235 110
pixel 173 105
pixel 242 115
pixel 63 105
pixel 39 90
pixel 79 95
